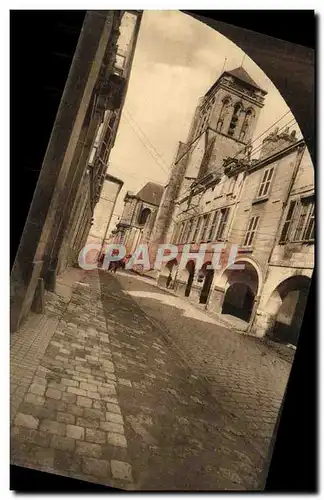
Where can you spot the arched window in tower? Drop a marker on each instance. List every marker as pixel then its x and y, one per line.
pixel 224 113
pixel 249 115
pixel 144 214
pixel 235 117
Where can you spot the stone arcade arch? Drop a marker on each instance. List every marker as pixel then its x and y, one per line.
pixel 208 280
pixel 241 289
pixel 190 267
pixel 171 269
pixel 143 216
pixel 286 307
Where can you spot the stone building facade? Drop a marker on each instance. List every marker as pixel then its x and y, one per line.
pixel 104 210
pixel 138 217
pixel 68 189
pixel 82 219
pixel 221 193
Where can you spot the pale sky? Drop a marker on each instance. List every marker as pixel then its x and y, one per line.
pixel 177 59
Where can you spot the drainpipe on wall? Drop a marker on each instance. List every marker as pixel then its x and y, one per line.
pixel 228 233
pixel 300 154
pixel 109 220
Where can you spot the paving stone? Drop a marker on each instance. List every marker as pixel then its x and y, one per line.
pixel 24 420
pixel 75 432
pixel 112 427
pixel 95 467
pixel 77 391
pixel 85 402
pixel 31 436
pixel 63 443
pixel 53 427
pixel 113 408
pixel 88 387
pixel 90 423
pixel 94 395
pixel 108 366
pixel 125 382
pixel 65 418
pixel 55 385
pixel 114 417
pixel 55 404
pixel 121 470
pixel 75 410
pixel 39 412
pixel 53 393
pixel 69 398
pixel 94 414
pixel 69 383
pixel 42 458
pixel 107 391
pixel 95 436
pixel 88 449
pixel 38 389
pixel 116 439
pixel 34 399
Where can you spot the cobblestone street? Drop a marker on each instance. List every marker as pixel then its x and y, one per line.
pixel 120 383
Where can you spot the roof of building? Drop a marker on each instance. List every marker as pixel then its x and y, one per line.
pixel 114 179
pixel 242 75
pixel 151 193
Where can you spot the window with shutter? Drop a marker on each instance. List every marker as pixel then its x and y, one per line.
pixel 213 227
pixel 309 232
pixel 222 224
pixel 251 231
pixel 305 221
pixel 197 230
pixel 288 222
pixel 205 228
pixel 265 183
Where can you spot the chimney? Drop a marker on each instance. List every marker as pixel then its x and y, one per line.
pixel 276 142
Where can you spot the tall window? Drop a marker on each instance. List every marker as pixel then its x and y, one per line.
pixel 251 231
pixel 197 230
pixel 265 183
pixel 305 223
pixel 246 124
pixel 299 225
pixel 177 233
pixel 234 120
pixel 206 219
pixel 224 113
pixel 309 232
pixel 180 234
pixel 288 222
pixel 222 224
pixel 193 229
pixel 144 214
pixel 186 231
pixel 213 226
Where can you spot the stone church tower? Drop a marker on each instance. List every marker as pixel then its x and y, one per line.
pixel 222 127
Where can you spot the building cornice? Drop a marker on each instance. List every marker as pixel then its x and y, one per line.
pixel 257 164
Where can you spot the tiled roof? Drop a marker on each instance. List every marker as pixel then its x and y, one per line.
pixel 151 193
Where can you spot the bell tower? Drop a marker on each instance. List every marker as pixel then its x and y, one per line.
pixel 228 113
pixel 222 126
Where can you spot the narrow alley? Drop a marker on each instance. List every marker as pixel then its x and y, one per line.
pixel 111 385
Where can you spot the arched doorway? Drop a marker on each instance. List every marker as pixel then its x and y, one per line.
pixel 191 270
pixel 171 269
pixel 241 289
pixel 239 301
pixel 287 305
pixel 209 275
pixel 143 216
